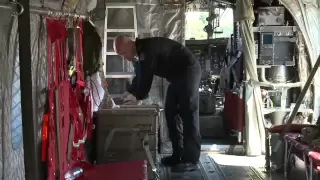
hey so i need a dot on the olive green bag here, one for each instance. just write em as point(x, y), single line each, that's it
point(92, 46)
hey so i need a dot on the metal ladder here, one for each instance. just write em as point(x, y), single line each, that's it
point(106, 53)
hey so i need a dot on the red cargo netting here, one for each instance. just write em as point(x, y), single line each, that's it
point(68, 106)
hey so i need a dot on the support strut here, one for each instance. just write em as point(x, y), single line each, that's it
point(30, 126)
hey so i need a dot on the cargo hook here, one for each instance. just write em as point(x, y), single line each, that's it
point(19, 6)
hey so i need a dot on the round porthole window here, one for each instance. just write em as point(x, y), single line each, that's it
point(16, 118)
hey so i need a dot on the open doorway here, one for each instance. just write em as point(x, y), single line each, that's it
point(196, 21)
point(210, 50)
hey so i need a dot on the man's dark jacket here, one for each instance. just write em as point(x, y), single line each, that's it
point(162, 57)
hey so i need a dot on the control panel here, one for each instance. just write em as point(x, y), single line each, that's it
point(275, 46)
point(211, 54)
point(266, 48)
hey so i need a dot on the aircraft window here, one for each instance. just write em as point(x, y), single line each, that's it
point(196, 21)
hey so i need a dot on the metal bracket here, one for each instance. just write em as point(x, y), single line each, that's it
point(145, 144)
point(80, 141)
point(144, 141)
point(17, 4)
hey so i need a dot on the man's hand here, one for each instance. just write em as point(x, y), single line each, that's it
point(129, 99)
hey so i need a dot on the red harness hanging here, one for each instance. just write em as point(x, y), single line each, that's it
point(67, 105)
point(81, 101)
point(55, 36)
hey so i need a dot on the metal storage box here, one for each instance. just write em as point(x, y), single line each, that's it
point(271, 16)
point(123, 156)
point(207, 103)
point(275, 44)
point(211, 126)
point(126, 145)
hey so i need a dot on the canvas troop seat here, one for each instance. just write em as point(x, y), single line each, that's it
point(305, 152)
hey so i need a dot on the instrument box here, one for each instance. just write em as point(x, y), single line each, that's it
point(207, 103)
point(275, 45)
point(211, 126)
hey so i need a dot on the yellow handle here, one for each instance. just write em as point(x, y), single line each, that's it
point(71, 70)
point(72, 3)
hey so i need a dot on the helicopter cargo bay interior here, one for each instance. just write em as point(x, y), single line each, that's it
point(68, 112)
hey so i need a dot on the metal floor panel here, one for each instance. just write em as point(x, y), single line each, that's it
point(211, 168)
point(206, 171)
point(239, 173)
point(242, 167)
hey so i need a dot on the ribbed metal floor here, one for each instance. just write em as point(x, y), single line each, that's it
point(210, 168)
point(206, 171)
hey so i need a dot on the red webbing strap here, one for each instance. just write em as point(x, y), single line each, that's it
point(78, 96)
point(79, 102)
point(51, 85)
point(88, 116)
point(64, 124)
point(63, 96)
point(57, 73)
point(57, 80)
point(72, 103)
point(78, 51)
point(44, 137)
point(75, 122)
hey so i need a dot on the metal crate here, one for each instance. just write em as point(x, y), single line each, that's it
point(144, 118)
point(127, 141)
point(122, 132)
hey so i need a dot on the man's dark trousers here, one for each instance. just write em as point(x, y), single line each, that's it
point(182, 101)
